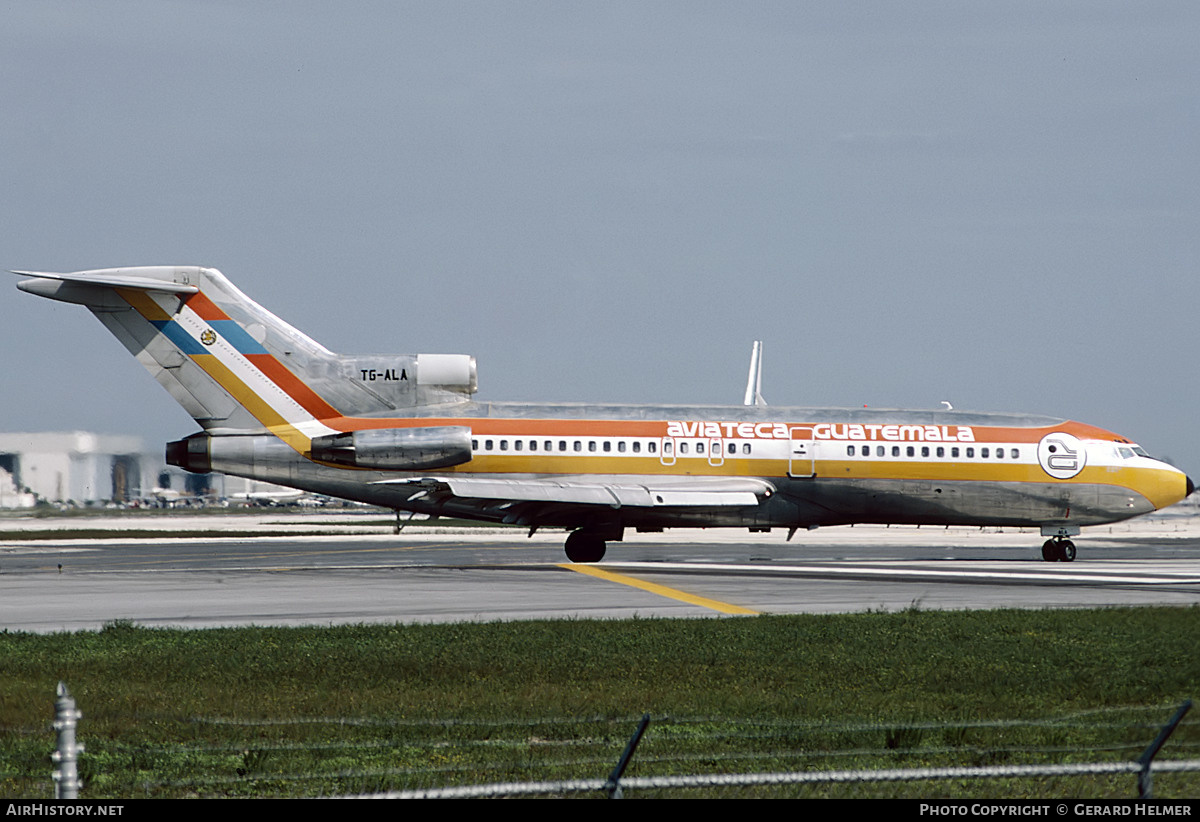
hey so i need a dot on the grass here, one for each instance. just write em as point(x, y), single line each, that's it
point(319, 711)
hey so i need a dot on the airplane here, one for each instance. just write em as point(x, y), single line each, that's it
point(404, 432)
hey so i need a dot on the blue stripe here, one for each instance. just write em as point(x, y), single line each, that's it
point(236, 336)
point(175, 333)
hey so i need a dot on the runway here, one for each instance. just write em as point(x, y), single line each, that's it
point(438, 575)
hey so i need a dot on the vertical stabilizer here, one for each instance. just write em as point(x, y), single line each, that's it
point(754, 380)
point(236, 367)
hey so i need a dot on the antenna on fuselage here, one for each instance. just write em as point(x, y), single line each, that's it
point(754, 380)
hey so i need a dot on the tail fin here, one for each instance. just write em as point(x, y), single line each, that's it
point(236, 367)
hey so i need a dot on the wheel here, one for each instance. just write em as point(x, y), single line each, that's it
point(1066, 551)
point(1050, 551)
point(584, 547)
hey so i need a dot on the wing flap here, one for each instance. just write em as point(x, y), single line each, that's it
point(697, 493)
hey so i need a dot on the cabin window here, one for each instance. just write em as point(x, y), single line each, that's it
point(637, 447)
point(970, 453)
point(954, 452)
point(518, 445)
point(533, 445)
point(895, 450)
point(924, 450)
point(733, 448)
point(941, 452)
point(474, 445)
point(621, 446)
point(549, 445)
point(699, 448)
point(653, 446)
point(578, 445)
point(910, 451)
point(849, 450)
point(983, 453)
point(503, 445)
point(999, 453)
point(1015, 454)
point(607, 446)
point(591, 445)
point(746, 448)
point(683, 447)
point(489, 444)
point(879, 450)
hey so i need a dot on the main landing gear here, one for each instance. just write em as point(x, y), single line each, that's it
point(585, 546)
point(1058, 549)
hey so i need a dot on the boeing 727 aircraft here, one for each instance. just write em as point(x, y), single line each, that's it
point(402, 431)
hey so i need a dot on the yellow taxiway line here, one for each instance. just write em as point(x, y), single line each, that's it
point(661, 590)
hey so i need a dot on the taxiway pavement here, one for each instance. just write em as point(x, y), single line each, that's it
point(442, 575)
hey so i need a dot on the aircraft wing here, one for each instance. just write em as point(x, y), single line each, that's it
point(672, 492)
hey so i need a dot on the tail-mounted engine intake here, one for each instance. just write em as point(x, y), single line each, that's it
point(397, 449)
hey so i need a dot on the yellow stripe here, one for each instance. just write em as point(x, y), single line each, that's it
point(257, 406)
point(1162, 487)
point(661, 590)
point(144, 304)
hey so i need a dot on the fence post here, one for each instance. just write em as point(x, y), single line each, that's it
point(613, 785)
point(66, 753)
point(1145, 780)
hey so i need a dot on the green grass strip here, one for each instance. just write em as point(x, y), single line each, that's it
point(320, 711)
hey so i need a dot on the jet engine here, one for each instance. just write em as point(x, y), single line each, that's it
point(396, 449)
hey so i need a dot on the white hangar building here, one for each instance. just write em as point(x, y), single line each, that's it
point(84, 468)
point(78, 466)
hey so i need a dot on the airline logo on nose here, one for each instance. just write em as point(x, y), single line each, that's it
point(1061, 455)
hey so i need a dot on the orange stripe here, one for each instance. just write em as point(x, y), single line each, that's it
point(205, 308)
point(308, 399)
point(293, 386)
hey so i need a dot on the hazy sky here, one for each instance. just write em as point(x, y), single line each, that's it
point(995, 204)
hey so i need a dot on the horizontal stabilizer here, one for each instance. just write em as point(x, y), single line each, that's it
point(143, 279)
point(704, 493)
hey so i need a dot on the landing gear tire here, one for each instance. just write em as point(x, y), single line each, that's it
point(1058, 550)
point(584, 547)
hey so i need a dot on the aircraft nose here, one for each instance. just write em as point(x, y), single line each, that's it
point(1191, 486)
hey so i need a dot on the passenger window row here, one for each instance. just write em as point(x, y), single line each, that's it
point(601, 446)
point(985, 452)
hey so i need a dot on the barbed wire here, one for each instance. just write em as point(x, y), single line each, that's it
point(775, 779)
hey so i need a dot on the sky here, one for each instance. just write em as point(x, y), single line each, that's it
point(992, 204)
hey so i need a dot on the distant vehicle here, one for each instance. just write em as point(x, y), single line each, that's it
point(403, 431)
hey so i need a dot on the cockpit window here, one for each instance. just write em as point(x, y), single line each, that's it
point(1126, 453)
point(1141, 452)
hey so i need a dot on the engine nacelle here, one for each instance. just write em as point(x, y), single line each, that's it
point(397, 449)
point(191, 454)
